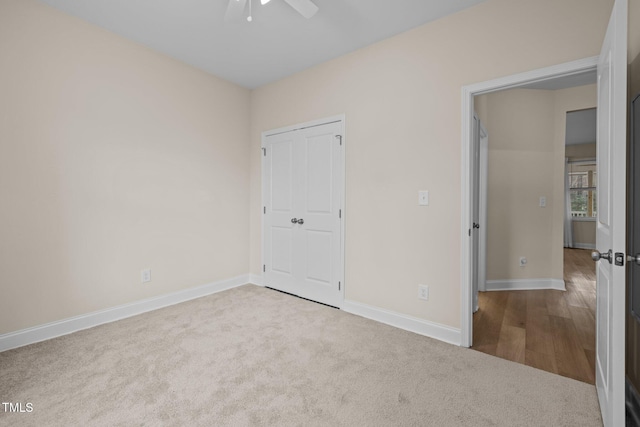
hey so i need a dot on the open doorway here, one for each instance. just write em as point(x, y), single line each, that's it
point(539, 308)
point(581, 212)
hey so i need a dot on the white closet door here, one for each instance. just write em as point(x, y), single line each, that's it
point(611, 225)
point(279, 193)
point(303, 185)
point(318, 204)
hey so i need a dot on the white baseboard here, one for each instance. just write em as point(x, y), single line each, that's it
point(89, 320)
point(584, 245)
point(413, 324)
point(256, 279)
point(524, 285)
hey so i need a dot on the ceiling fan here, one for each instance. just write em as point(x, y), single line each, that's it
point(235, 9)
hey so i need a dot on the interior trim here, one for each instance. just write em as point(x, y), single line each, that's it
point(413, 324)
point(525, 285)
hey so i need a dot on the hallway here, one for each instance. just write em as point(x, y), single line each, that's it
point(547, 329)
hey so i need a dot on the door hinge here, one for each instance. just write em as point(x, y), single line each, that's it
point(264, 268)
point(339, 286)
point(264, 151)
point(264, 209)
point(469, 232)
point(339, 213)
point(340, 138)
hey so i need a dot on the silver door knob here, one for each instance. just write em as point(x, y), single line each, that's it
point(596, 256)
point(635, 259)
point(301, 221)
point(294, 220)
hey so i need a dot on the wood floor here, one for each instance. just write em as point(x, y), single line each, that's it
point(547, 329)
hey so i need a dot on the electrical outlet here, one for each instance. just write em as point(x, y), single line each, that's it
point(423, 292)
point(145, 275)
point(523, 261)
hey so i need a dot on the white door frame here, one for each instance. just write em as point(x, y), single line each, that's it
point(332, 119)
point(468, 92)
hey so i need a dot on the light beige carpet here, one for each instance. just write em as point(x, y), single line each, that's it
point(253, 356)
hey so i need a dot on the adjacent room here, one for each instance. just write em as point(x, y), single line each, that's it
point(243, 212)
point(537, 299)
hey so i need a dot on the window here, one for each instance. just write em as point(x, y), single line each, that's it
point(582, 188)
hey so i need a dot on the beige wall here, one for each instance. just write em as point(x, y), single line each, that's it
point(584, 233)
point(526, 161)
point(402, 103)
point(520, 124)
point(581, 151)
point(113, 158)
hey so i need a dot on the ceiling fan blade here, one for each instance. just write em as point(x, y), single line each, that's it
point(235, 9)
point(305, 8)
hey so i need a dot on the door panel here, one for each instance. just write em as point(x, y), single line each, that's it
point(281, 251)
point(633, 279)
point(479, 208)
point(611, 224)
point(475, 173)
point(603, 227)
point(482, 203)
point(603, 293)
point(633, 244)
point(303, 173)
point(319, 176)
point(281, 168)
point(319, 251)
point(321, 202)
point(604, 130)
point(278, 229)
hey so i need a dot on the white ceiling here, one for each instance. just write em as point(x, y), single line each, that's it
point(279, 42)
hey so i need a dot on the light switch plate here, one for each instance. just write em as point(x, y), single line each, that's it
point(423, 292)
point(423, 198)
point(543, 202)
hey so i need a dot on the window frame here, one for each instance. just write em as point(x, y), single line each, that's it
point(591, 189)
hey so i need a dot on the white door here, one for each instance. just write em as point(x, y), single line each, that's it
point(611, 233)
point(479, 214)
point(278, 210)
point(303, 191)
point(475, 173)
point(482, 237)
